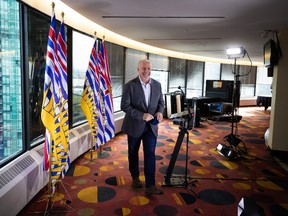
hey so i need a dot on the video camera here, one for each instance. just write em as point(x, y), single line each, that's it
point(183, 118)
point(189, 118)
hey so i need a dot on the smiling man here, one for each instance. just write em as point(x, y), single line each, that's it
point(143, 103)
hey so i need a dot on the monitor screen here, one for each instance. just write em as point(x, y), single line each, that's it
point(270, 54)
point(222, 89)
point(217, 84)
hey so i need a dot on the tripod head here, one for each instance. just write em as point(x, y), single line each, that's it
point(187, 106)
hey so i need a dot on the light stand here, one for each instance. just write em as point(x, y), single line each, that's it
point(196, 115)
point(232, 138)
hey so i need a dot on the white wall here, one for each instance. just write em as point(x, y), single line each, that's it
point(279, 114)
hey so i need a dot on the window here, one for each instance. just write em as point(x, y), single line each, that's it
point(212, 72)
point(195, 72)
point(227, 72)
point(264, 83)
point(38, 28)
point(248, 81)
point(177, 74)
point(132, 59)
point(115, 55)
point(82, 46)
point(10, 82)
point(159, 71)
point(162, 77)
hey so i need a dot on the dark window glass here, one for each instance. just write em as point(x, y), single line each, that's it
point(38, 28)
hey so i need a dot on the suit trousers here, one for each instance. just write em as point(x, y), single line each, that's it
point(149, 141)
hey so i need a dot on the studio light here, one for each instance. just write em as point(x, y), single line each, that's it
point(231, 152)
point(237, 52)
point(247, 207)
point(226, 151)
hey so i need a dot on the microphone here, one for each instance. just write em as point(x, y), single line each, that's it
point(183, 96)
point(182, 92)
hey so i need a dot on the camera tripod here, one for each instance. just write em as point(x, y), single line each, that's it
point(177, 180)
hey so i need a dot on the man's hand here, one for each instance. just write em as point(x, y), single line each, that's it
point(159, 116)
point(147, 117)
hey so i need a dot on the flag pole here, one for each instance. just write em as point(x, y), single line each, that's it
point(48, 206)
point(103, 108)
point(91, 147)
point(62, 15)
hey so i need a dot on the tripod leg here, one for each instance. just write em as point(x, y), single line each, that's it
point(245, 149)
point(174, 156)
point(190, 189)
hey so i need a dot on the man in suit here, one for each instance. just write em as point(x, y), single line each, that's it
point(143, 103)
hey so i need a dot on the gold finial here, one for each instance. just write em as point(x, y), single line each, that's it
point(53, 5)
point(103, 37)
point(62, 14)
point(95, 33)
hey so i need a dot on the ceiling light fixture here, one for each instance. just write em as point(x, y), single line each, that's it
point(182, 39)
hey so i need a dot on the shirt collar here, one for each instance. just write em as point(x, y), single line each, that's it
point(143, 83)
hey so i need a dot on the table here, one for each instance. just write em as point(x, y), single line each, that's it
point(202, 104)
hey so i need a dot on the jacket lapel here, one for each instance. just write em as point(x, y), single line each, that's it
point(153, 89)
point(140, 91)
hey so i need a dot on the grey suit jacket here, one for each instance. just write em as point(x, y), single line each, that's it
point(134, 105)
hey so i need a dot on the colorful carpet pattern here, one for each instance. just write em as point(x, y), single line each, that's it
point(214, 184)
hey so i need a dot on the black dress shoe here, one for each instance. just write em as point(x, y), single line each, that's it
point(153, 191)
point(137, 184)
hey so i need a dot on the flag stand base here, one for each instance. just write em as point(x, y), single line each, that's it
point(91, 155)
point(51, 199)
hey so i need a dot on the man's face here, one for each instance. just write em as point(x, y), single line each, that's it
point(144, 71)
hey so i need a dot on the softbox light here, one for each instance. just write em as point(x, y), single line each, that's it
point(226, 151)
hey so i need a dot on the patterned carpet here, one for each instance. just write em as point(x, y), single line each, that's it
point(214, 186)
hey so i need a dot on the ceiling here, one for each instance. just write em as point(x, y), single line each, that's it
point(198, 27)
